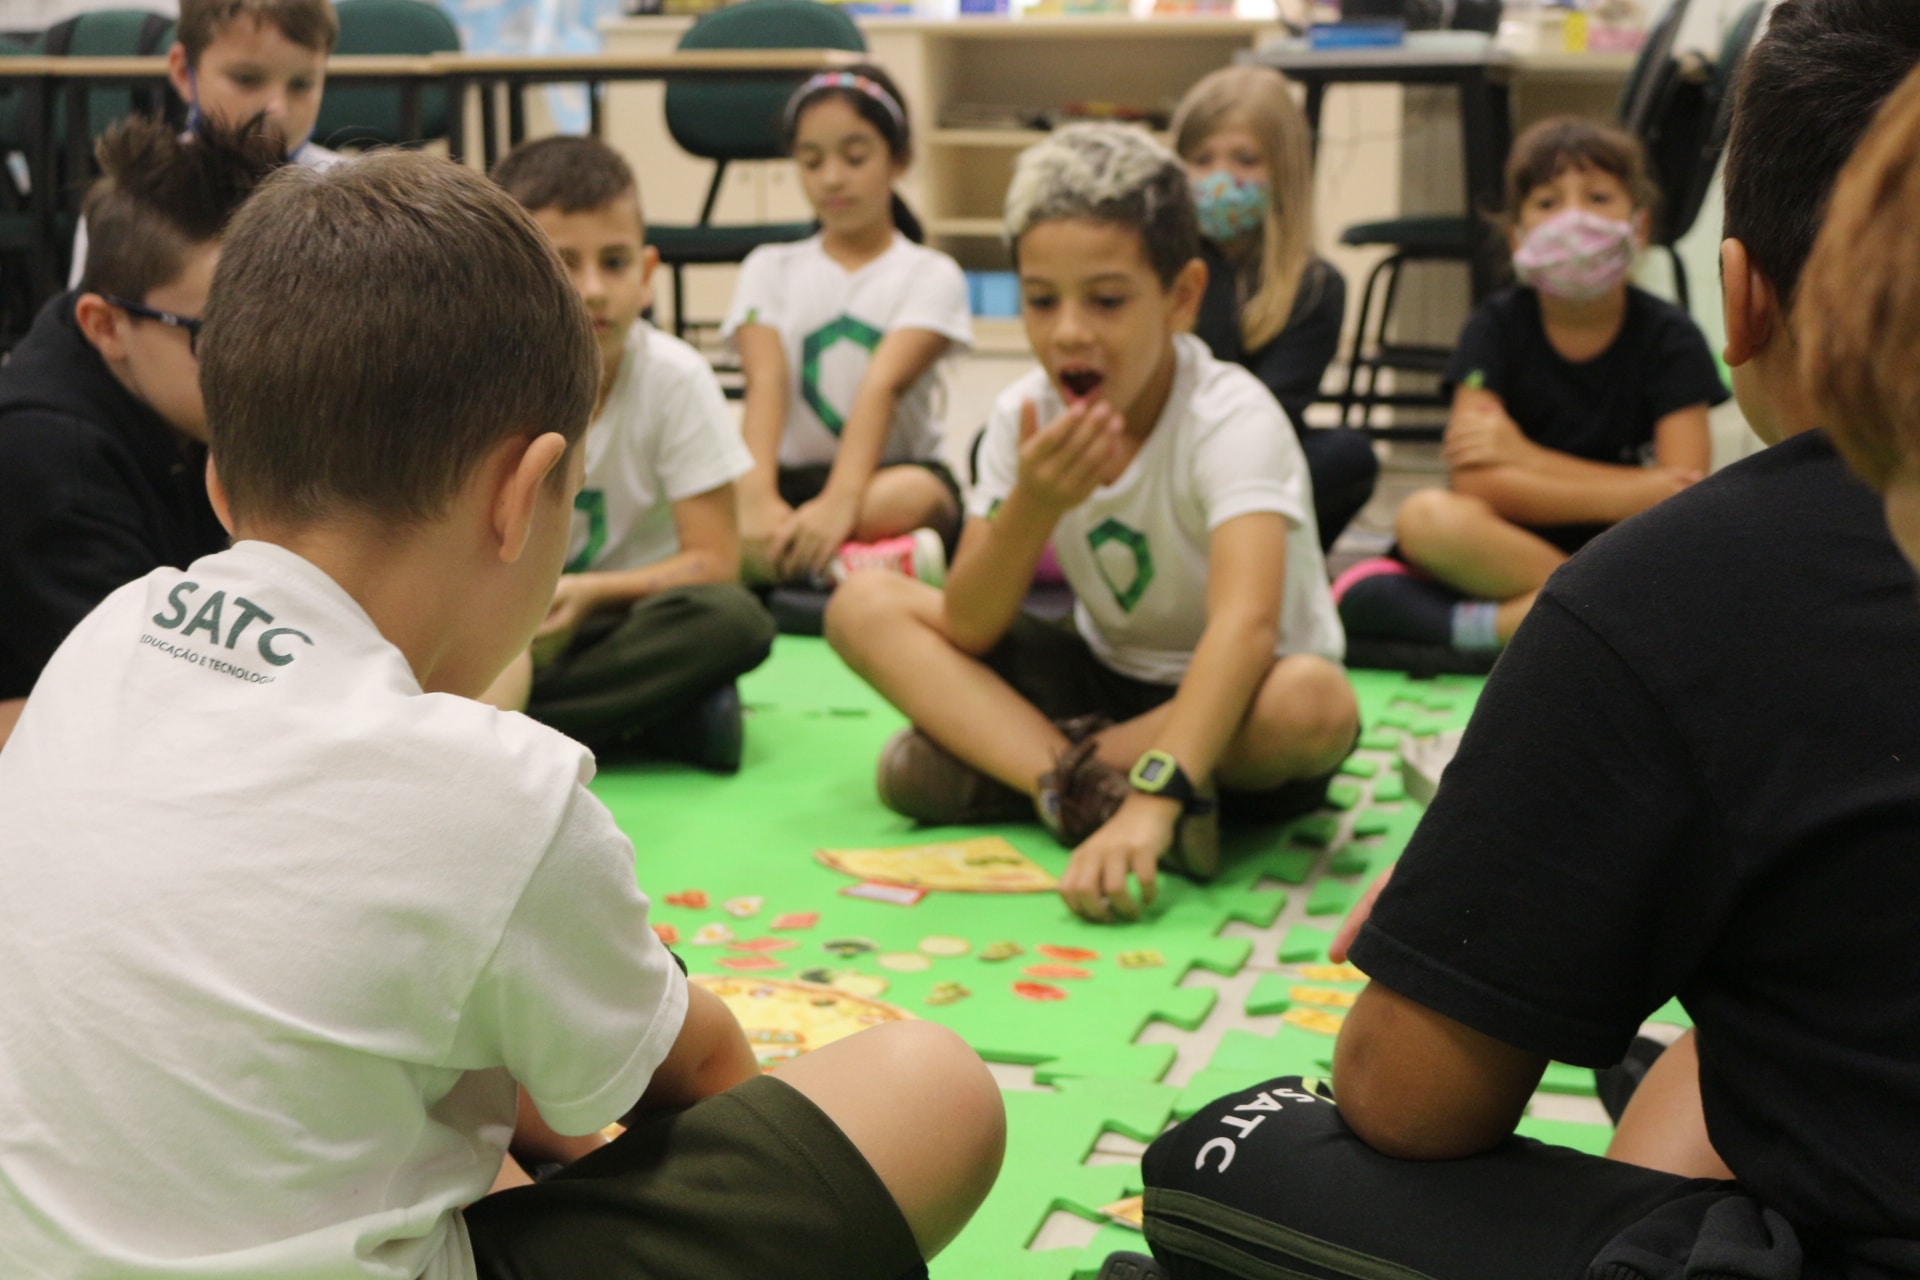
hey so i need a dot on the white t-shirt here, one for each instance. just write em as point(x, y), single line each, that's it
point(279, 934)
point(309, 156)
point(663, 436)
point(1135, 553)
point(831, 319)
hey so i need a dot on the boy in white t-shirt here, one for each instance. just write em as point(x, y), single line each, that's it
point(232, 60)
point(649, 627)
point(1178, 506)
point(289, 915)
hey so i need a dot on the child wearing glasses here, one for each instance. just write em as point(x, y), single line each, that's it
point(102, 433)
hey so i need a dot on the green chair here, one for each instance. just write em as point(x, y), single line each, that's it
point(372, 115)
point(26, 252)
point(725, 122)
point(112, 33)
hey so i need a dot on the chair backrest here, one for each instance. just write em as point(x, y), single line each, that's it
point(369, 115)
point(1653, 70)
point(741, 120)
point(112, 33)
point(1689, 193)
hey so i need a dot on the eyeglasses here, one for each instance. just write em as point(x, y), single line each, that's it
point(170, 319)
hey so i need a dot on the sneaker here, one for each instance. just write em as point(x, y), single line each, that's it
point(1079, 795)
point(1132, 1266)
point(710, 734)
point(919, 554)
point(920, 779)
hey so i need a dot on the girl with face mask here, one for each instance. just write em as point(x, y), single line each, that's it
point(1578, 400)
point(1270, 304)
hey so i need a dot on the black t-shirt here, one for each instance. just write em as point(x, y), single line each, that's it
point(1605, 409)
point(1292, 362)
point(1696, 772)
point(95, 491)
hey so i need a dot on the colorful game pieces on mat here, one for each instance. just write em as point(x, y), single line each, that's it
point(988, 864)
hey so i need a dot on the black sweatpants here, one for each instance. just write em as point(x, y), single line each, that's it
point(627, 670)
point(1270, 1184)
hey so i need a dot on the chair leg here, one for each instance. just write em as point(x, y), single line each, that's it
point(678, 273)
point(1349, 397)
point(1681, 292)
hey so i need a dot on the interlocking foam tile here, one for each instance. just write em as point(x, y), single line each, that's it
point(1330, 898)
point(1390, 787)
point(1380, 740)
point(1561, 1078)
point(1304, 945)
point(1590, 1138)
point(1048, 1138)
point(1270, 994)
point(1360, 767)
point(1343, 795)
point(1349, 862)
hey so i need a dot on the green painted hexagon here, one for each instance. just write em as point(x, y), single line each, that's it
point(1112, 530)
point(814, 346)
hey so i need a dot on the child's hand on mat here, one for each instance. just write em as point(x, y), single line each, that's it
point(1356, 916)
point(1481, 434)
point(574, 597)
point(1131, 842)
point(1062, 463)
point(814, 532)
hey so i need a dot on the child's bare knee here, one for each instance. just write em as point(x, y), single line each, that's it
point(1434, 518)
point(862, 604)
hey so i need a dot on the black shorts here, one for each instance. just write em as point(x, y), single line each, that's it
point(1270, 1182)
point(751, 1183)
point(1052, 666)
point(804, 484)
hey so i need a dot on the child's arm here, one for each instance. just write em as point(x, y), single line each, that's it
point(1059, 467)
point(763, 420)
point(708, 528)
point(1246, 573)
point(1492, 459)
point(1417, 1085)
point(710, 1056)
point(817, 528)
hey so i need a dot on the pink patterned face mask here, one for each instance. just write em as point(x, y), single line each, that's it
point(1575, 255)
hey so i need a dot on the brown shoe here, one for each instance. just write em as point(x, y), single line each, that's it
point(920, 779)
point(1079, 793)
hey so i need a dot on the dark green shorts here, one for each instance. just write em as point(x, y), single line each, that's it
point(804, 484)
point(1052, 666)
point(750, 1184)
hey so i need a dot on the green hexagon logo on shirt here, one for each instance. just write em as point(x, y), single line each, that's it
point(813, 349)
point(1125, 560)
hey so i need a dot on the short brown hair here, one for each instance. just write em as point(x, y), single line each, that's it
point(1551, 147)
point(1807, 91)
point(1858, 317)
point(374, 330)
point(161, 196)
point(311, 24)
point(571, 174)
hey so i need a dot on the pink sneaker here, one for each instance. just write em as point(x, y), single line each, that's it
point(918, 555)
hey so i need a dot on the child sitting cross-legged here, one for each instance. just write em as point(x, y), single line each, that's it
point(841, 336)
point(1578, 400)
point(1205, 650)
point(649, 626)
point(307, 934)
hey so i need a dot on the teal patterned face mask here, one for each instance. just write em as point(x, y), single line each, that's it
point(1230, 209)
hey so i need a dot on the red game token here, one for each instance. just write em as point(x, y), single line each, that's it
point(747, 964)
point(667, 933)
point(1073, 955)
point(1056, 971)
point(695, 898)
point(1038, 991)
point(763, 944)
point(796, 920)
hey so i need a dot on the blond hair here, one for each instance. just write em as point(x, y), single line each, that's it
point(1260, 100)
point(1857, 317)
point(1110, 173)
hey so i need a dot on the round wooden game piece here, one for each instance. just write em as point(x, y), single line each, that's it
point(945, 944)
point(903, 961)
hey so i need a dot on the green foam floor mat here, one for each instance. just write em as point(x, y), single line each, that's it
point(748, 841)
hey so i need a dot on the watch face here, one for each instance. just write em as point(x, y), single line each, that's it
point(1153, 772)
